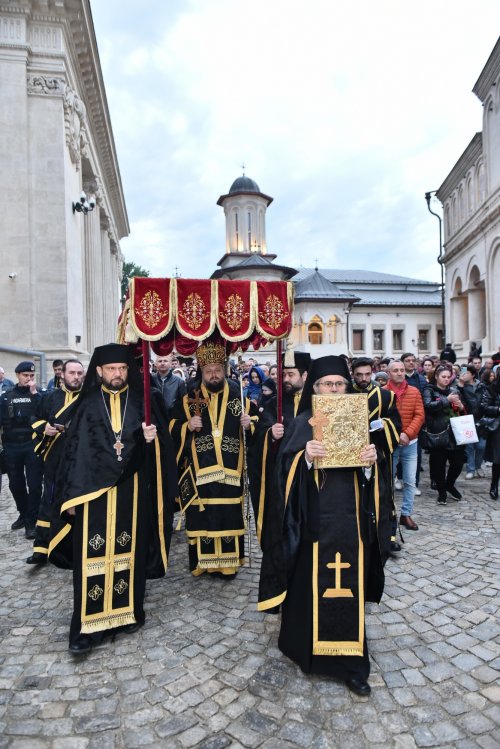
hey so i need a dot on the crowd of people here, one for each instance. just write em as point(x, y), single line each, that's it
point(97, 475)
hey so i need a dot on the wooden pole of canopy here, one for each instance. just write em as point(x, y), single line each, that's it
point(279, 363)
point(147, 382)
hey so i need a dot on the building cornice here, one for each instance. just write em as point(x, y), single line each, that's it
point(489, 74)
point(467, 160)
point(486, 224)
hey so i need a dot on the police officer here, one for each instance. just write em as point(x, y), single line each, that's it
point(24, 468)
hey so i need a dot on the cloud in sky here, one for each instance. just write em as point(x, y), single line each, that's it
point(345, 113)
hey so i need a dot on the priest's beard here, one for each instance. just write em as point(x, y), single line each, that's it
point(214, 386)
point(290, 389)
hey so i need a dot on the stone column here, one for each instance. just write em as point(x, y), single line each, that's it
point(477, 314)
point(93, 279)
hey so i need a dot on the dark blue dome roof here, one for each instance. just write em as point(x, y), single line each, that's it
point(244, 184)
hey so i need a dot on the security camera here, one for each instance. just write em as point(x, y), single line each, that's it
point(92, 203)
point(12, 275)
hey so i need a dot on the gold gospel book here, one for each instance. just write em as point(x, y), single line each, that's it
point(341, 423)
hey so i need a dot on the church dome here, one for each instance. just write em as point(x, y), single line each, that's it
point(244, 184)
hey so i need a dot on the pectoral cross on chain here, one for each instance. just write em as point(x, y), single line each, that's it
point(319, 420)
point(118, 446)
point(197, 401)
point(337, 591)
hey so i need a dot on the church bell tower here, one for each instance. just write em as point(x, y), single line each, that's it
point(245, 211)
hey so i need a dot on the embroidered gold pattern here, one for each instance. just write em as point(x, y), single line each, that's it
point(194, 311)
point(206, 540)
point(204, 443)
point(123, 538)
point(151, 309)
point(185, 489)
point(193, 407)
point(95, 592)
point(235, 407)
point(274, 312)
point(234, 312)
point(230, 445)
point(96, 542)
point(121, 586)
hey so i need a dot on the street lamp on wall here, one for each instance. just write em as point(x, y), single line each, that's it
point(83, 205)
point(440, 259)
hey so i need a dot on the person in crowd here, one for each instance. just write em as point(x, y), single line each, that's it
point(115, 488)
point(273, 372)
point(207, 426)
point(5, 383)
point(490, 408)
point(171, 387)
point(55, 381)
point(471, 390)
point(448, 354)
point(254, 389)
point(49, 427)
point(24, 468)
point(334, 542)
point(381, 378)
point(383, 364)
point(414, 378)
point(427, 367)
point(411, 410)
point(476, 362)
point(442, 402)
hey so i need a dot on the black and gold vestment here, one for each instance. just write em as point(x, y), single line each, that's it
point(210, 465)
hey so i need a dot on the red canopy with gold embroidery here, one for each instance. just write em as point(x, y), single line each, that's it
point(177, 313)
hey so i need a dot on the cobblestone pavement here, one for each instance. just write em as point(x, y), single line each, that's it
point(206, 672)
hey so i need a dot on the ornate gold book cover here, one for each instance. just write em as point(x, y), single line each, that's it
point(341, 423)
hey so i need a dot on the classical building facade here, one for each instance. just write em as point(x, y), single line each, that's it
point(470, 196)
point(335, 311)
point(60, 270)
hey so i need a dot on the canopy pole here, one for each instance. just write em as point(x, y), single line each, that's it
point(279, 363)
point(147, 382)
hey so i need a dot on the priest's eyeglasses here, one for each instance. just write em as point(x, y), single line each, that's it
point(331, 384)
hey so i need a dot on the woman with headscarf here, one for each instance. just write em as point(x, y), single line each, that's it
point(254, 390)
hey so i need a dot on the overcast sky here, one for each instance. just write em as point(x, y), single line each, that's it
point(346, 113)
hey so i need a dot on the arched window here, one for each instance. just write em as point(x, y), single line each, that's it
point(315, 331)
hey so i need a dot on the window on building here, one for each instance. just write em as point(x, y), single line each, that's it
point(358, 342)
point(237, 231)
point(378, 340)
point(397, 340)
point(315, 331)
point(249, 215)
point(440, 339)
point(423, 340)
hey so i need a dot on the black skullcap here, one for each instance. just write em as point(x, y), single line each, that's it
point(111, 353)
point(25, 366)
point(322, 367)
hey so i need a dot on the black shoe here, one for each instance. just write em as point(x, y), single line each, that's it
point(30, 532)
point(17, 524)
point(395, 546)
point(129, 629)
point(358, 686)
point(442, 499)
point(82, 644)
point(454, 493)
point(494, 491)
point(37, 558)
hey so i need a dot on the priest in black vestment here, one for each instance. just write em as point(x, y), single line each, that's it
point(207, 427)
point(335, 536)
point(115, 490)
point(49, 428)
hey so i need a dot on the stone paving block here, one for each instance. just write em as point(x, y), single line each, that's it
point(485, 674)
point(298, 734)
point(437, 672)
point(475, 723)
point(492, 693)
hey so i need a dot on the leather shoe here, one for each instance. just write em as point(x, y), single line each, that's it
point(82, 644)
point(395, 546)
point(17, 524)
point(494, 492)
point(30, 532)
point(408, 522)
point(358, 686)
point(37, 558)
point(454, 493)
point(129, 629)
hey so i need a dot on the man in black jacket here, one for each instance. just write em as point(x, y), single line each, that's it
point(171, 387)
point(24, 468)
